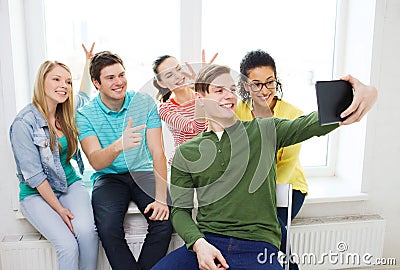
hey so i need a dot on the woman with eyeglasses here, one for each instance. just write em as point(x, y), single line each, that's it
point(261, 95)
point(176, 94)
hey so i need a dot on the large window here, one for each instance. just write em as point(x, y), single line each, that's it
point(298, 34)
point(138, 31)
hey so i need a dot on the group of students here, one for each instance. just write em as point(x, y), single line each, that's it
point(230, 165)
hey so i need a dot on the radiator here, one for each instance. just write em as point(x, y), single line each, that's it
point(27, 252)
point(313, 239)
point(337, 242)
point(33, 252)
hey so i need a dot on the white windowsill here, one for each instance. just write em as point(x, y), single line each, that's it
point(321, 190)
point(333, 189)
point(133, 209)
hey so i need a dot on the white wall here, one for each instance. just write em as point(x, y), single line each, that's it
point(382, 150)
point(8, 82)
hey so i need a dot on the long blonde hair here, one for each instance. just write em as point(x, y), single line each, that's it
point(65, 112)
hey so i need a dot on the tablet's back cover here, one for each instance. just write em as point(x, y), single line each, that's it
point(333, 97)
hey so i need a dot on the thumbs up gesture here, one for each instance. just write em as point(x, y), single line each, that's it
point(131, 138)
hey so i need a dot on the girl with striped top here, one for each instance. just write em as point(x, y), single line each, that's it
point(177, 109)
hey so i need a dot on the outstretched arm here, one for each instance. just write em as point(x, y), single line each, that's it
point(289, 132)
point(364, 97)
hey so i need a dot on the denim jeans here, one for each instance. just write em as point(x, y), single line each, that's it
point(111, 196)
point(240, 254)
point(73, 252)
point(297, 202)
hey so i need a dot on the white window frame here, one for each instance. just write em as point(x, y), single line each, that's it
point(353, 55)
point(21, 55)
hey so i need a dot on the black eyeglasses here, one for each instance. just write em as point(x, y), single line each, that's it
point(258, 86)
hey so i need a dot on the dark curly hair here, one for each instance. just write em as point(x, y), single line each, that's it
point(251, 60)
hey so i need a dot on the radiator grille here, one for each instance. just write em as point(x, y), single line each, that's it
point(345, 239)
point(312, 236)
point(32, 252)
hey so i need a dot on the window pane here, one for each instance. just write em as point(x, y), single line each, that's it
point(135, 30)
point(138, 31)
point(298, 34)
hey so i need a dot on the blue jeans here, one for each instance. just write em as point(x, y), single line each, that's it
point(240, 254)
point(111, 196)
point(74, 252)
point(297, 202)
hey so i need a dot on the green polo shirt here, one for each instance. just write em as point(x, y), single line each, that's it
point(234, 178)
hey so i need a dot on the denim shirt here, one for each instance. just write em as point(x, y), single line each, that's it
point(30, 142)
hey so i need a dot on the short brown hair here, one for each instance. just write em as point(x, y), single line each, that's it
point(208, 74)
point(101, 60)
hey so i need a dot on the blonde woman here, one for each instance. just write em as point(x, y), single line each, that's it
point(53, 198)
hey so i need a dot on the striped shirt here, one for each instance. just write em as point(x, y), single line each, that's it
point(180, 120)
point(95, 119)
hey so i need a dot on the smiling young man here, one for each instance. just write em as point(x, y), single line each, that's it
point(120, 133)
point(232, 167)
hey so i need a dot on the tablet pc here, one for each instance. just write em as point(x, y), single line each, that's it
point(333, 97)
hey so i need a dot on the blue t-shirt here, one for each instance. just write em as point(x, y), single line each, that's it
point(95, 119)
